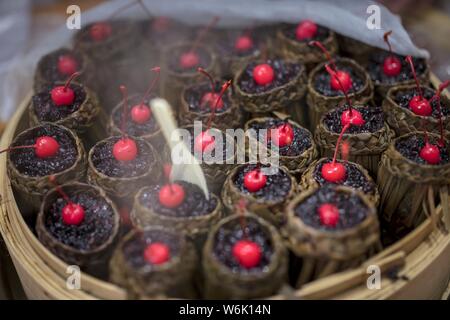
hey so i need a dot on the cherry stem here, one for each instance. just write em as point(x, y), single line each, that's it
point(52, 179)
point(386, 39)
point(17, 147)
point(123, 125)
point(144, 7)
point(334, 74)
point(211, 80)
point(225, 86)
point(73, 76)
point(338, 142)
point(152, 85)
point(413, 70)
point(203, 33)
point(325, 51)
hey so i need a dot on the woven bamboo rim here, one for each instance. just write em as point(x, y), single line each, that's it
point(365, 148)
point(296, 164)
point(416, 186)
point(175, 277)
point(302, 52)
point(230, 118)
point(43, 275)
point(272, 211)
point(195, 227)
point(79, 120)
point(308, 180)
point(40, 80)
point(220, 282)
point(274, 99)
point(154, 138)
point(123, 186)
point(36, 187)
point(325, 252)
point(404, 121)
point(382, 89)
point(319, 103)
point(68, 253)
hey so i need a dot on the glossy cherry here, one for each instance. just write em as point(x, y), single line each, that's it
point(243, 43)
point(263, 74)
point(157, 253)
point(46, 147)
point(125, 149)
point(73, 214)
point(161, 24)
point(171, 195)
point(334, 172)
point(328, 214)
point(306, 29)
point(67, 65)
point(342, 77)
point(100, 31)
point(63, 95)
point(283, 135)
point(420, 106)
point(430, 153)
point(247, 253)
point(255, 180)
point(392, 66)
point(353, 117)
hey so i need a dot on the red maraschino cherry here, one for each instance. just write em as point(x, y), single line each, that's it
point(283, 135)
point(392, 66)
point(171, 195)
point(243, 43)
point(328, 214)
point(429, 152)
point(190, 59)
point(67, 65)
point(205, 141)
point(418, 104)
point(157, 253)
point(255, 180)
point(141, 113)
point(100, 31)
point(263, 74)
point(306, 29)
point(334, 171)
point(45, 147)
point(63, 95)
point(72, 213)
point(340, 80)
point(210, 98)
point(125, 149)
point(247, 253)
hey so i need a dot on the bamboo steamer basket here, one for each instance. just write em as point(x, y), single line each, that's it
point(422, 256)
